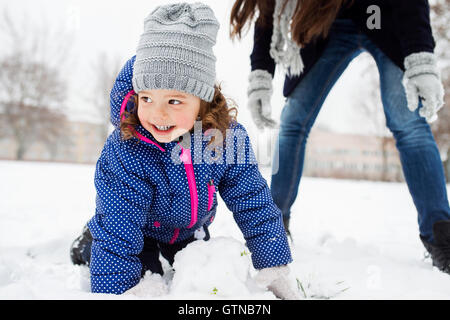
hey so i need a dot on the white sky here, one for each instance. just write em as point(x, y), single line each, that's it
point(115, 27)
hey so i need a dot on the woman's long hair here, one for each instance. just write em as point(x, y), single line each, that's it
point(312, 18)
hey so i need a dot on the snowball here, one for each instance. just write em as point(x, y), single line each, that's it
point(219, 268)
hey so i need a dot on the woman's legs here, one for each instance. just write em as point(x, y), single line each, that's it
point(302, 108)
point(419, 155)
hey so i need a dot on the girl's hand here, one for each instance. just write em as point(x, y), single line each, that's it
point(276, 279)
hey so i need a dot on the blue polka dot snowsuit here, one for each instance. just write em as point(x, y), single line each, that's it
point(142, 192)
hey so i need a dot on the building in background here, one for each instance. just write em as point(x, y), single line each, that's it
point(352, 156)
point(328, 154)
point(82, 144)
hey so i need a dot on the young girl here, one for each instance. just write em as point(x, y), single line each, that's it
point(156, 185)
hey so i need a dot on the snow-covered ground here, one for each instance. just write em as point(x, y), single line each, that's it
point(352, 240)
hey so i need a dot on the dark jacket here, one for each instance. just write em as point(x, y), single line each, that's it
point(405, 29)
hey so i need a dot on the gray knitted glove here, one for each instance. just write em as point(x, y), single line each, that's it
point(277, 280)
point(422, 79)
point(259, 94)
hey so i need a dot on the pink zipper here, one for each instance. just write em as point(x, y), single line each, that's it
point(175, 236)
point(187, 160)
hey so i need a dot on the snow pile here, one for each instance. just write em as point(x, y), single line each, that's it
point(216, 269)
point(361, 243)
point(151, 286)
point(219, 267)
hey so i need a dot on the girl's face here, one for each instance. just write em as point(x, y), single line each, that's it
point(167, 114)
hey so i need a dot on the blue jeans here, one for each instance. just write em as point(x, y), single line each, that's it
point(419, 155)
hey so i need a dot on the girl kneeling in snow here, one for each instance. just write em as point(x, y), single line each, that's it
point(152, 194)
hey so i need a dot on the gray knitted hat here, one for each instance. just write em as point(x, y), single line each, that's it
point(175, 50)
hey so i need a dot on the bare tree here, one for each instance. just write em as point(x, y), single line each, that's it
point(440, 15)
point(106, 69)
point(30, 93)
point(32, 89)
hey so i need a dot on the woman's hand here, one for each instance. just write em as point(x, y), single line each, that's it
point(422, 79)
point(259, 94)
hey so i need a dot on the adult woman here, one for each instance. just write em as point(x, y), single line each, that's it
point(315, 40)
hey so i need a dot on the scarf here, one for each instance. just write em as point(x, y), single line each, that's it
point(283, 49)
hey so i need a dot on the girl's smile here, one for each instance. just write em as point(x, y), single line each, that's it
point(163, 130)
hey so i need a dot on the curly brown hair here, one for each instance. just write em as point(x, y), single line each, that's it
point(218, 114)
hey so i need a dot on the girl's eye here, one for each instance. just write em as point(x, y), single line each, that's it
point(146, 99)
point(173, 101)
